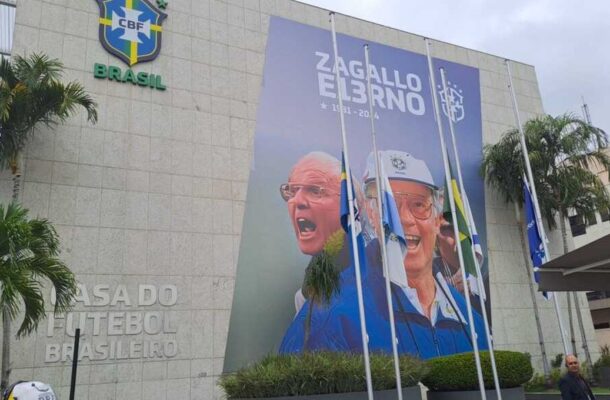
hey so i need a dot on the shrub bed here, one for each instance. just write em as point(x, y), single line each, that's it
point(602, 362)
point(318, 373)
point(458, 372)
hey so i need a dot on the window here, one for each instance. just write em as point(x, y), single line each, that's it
point(598, 295)
point(577, 225)
point(591, 219)
point(7, 26)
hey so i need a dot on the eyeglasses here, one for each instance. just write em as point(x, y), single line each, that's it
point(311, 192)
point(419, 206)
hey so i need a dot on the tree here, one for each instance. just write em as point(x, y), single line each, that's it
point(562, 151)
point(29, 250)
point(322, 278)
point(31, 94)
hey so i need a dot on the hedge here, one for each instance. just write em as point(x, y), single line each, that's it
point(318, 373)
point(458, 371)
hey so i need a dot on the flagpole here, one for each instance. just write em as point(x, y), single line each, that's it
point(532, 186)
point(469, 223)
point(456, 232)
point(352, 218)
point(532, 274)
point(384, 253)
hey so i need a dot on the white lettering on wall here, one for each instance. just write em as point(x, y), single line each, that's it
point(141, 312)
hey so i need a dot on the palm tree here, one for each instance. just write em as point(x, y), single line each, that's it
point(29, 250)
point(561, 151)
point(31, 93)
point(322, 278)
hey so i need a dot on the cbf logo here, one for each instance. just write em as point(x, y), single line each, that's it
point(131, 29)
point(455, 99)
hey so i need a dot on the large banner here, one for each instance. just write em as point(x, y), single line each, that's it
point(292, 210)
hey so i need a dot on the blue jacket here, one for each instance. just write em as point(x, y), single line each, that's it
point(336, 327)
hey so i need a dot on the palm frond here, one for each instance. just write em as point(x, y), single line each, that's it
point(31, 93)
point(28, 257)
point(562, 150)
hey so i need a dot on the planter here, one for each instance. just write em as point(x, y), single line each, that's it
point(557, 396)
point(507, 394)
point(411, 393)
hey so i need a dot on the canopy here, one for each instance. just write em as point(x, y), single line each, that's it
point(584, 269)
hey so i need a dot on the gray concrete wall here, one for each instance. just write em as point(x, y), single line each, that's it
point(144, 197)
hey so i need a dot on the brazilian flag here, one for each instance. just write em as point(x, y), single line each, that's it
point(462, 223)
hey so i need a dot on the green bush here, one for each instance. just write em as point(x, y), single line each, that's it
point(538, 383)
point(458, 371)
point(318, 373)
point(603, 361)
point(557, 362)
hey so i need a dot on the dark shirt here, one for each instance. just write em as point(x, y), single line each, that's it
point(574, 387)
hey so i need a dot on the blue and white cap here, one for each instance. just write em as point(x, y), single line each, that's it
point(399, 165)
point(31, 390)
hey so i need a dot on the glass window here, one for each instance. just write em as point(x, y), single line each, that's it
point(591, 219)
point(577, 225)
point(7, 26)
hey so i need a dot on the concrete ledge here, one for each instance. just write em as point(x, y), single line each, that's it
point(557, 396)
point(411, 393)
point(507, 394)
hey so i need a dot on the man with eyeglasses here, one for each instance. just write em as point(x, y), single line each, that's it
point(312, 195)
point(572, 385)
point(429, 314)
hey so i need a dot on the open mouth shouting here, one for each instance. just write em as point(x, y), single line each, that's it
point(412, 241)
point(305, 226)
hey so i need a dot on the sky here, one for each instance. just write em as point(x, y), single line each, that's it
point(566, 40)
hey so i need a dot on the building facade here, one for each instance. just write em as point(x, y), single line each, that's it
point(586, 229)
point(149, 202)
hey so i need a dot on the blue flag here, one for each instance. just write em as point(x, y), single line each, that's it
point(396, 243)
point(534, 238)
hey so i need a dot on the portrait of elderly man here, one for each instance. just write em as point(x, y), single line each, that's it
point(312, 195)
point(430, 315)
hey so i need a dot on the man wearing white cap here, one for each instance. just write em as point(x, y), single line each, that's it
point(429, 314)
point(30, 390)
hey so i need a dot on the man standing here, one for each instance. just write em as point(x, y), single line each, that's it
point(572, 384)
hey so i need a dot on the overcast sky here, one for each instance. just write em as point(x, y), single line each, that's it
point(567, 41)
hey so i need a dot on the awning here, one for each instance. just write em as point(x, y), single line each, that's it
point(584, 269)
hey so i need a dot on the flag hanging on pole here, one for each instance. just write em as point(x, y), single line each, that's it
point(465, 238)
point(534, 239)
point(345, 203)
point(476, 246)
point(476, 241)
point(345, 220)
point(396, 243)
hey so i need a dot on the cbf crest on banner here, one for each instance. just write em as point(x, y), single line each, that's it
point(131, 29)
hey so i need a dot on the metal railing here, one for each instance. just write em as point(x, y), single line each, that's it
point(7, 26)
